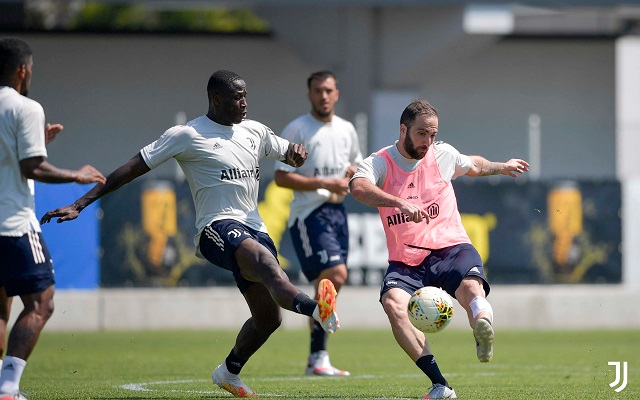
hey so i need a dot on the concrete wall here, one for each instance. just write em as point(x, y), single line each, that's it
point(484, 86)
point(515, 307)
point(116, 93)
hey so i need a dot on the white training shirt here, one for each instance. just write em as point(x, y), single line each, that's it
point(332, 146)
point(221, 164)
point(451, 162)
point(21, 137)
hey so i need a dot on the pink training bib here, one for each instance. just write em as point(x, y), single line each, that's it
point(411, 242)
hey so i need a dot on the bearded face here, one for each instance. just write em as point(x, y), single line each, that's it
point(419, 136)
point(417, 153)
point(323, 95)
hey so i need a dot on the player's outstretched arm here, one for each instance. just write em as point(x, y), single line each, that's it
point(134, 168)
point(483, 167)
point(38, 169)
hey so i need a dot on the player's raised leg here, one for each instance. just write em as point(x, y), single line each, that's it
point(258, 264)
point(471, 296)
point(319, 362)
point(253, 257)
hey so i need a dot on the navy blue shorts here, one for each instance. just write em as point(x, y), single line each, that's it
point(444, 268)
point(321, 240)
point(220, 240)
point(25, 264)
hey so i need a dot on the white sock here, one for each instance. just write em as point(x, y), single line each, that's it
point(12, 368)
point(480, 304)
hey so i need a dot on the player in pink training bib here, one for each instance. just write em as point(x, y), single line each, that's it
point(410, 184)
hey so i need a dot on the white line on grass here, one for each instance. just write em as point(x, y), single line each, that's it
point(505, 369)
point(144, 386)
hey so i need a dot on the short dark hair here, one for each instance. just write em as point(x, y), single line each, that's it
point(14, 53)
point(417, 107)
point(321, 75)
point(221, 80)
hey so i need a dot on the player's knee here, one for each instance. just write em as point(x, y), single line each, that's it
point(43, 312)
point(39, 307)
point(470, 287)
point(47, 304)
point(341, 277)
point(394, 308)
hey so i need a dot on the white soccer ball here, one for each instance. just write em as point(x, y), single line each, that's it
point(430, 309)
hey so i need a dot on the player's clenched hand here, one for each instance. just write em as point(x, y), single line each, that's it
point(66, 213)
point(89, 174)
point(296, 155)
point(414, 212)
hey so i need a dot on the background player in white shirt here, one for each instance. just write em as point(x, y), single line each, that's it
point(25, 263)
point(219, 154)
point(317, 219)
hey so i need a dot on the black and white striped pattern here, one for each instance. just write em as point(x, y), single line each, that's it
point(36, 248)
point(214, 236)
point(304, 238)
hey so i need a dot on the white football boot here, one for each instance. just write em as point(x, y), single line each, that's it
point(231, 382)
point(438, 391)
point(483, 332)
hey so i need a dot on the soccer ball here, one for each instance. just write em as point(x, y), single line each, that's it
point(430, 309)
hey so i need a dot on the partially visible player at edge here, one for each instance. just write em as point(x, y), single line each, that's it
point(410, 183)
point(220, 153)
point(318, 220)
point(26, 268)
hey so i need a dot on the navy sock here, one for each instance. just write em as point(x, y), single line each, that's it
point(303, 304)
point(429, 366)
point(234, 364)
point(318, 338)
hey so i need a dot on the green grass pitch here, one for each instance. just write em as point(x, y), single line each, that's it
point(178, 365)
